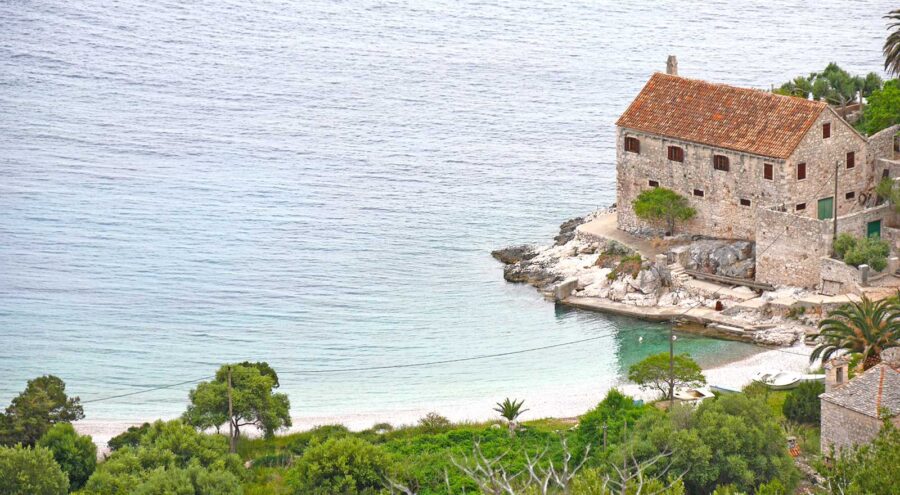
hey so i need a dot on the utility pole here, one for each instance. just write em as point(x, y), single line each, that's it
point(230, 416)
point(671, 365)
point(834, 204)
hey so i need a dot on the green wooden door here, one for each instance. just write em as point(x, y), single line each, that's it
point(826, 208)
point(873, 229)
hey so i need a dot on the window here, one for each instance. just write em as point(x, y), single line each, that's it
point(826, 131)
point(839, 374)
point(851, 159)
point(850, 195)
point(885, 173)
point(768, 171)
point(801, 171)
point(633, 145)
point(745, 202)
point(654, 183)
point(800, 207)
point(720, 162)
point(676, 154)
point(698, 193)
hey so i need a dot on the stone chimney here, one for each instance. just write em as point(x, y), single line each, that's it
point(836, 373)
point(672, 66)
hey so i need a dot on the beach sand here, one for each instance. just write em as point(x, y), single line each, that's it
point(547, 403)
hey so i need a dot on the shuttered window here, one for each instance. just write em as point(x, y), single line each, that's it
point(768, 171)
point(633, 145)
point(720, 162)
point(676, 154)
point(826, 131)
point(801, 171)
point(851, 159)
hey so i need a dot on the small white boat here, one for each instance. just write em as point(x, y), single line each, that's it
point(778, 380)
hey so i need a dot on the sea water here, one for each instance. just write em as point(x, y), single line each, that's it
point(319, 184)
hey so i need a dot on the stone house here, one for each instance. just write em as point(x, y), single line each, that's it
point(756, 166)
point(852, 409)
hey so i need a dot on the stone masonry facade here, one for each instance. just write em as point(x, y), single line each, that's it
point(773, 199)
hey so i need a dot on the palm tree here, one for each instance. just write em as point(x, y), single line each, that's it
point(892, 44)
point(510, 410)
point(867, 327)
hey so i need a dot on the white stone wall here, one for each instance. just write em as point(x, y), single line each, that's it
point(789, 248)
point(838, 277)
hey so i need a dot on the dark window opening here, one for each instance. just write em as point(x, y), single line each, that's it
point(745, 202)
point(676, 154)
point(768, 171)
point(839, 375)
point(801, 171)
point(654, 183)
point(800, 207)
point(850, 195)
point(698, 193)
point(826, 131)
point(851, 159)
point(633, 145)
point(720, 162)
point(885, 173)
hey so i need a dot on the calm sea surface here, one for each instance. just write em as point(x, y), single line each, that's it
point(318, 184)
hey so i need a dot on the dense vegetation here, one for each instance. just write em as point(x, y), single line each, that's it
point(856, 251)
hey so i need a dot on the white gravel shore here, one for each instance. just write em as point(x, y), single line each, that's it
point(557, 403)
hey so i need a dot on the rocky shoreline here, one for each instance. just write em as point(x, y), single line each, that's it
point(593, 272)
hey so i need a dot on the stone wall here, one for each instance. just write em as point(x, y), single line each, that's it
point(838, 277)
point(857, 223)
point(820, 155)
point(789, 248)
point(842, 427)
point(881, 144)
point(719, 212)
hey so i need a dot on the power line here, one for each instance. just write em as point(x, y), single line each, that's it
point(456, 360)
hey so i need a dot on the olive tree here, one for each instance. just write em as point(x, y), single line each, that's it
point(661, 204)
point(253, 401)
point(654, 373)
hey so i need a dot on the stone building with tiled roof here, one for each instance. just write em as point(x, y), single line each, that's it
point(754, 165)
point(852, 410)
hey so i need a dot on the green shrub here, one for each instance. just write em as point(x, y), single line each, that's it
point(802, 404)
point(844, 242)
point(76, 454)
point(614, 411)
point(348, 466)
point(434, 423)
point(870, 251)
point(630, 265)
point(130, 437)
point(30, 471)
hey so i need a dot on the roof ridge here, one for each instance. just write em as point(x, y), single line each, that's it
point(816, 103)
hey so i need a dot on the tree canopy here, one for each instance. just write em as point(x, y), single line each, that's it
point(170, 457)
point(882, 108)
point(834, 85)
point(892, 44)
point(253, 401)
point(661, 204)
point(653, 373)
point(76, 454)
point(31, 471)
point(349, 466)
point(42, 404)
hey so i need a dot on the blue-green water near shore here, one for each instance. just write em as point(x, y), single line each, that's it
point(319, 184)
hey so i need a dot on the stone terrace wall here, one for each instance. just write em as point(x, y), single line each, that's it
point(789, 248)
point(838, 277)
point(881, 144)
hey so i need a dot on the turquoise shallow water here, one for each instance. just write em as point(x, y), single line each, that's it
point(318, 184)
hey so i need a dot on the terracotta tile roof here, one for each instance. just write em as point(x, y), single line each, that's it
point(722, 116)
point(878, 387)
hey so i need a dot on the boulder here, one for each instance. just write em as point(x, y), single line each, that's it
point(741, 269)
point(567, 230)
point(514, 254)
point(647, 281)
